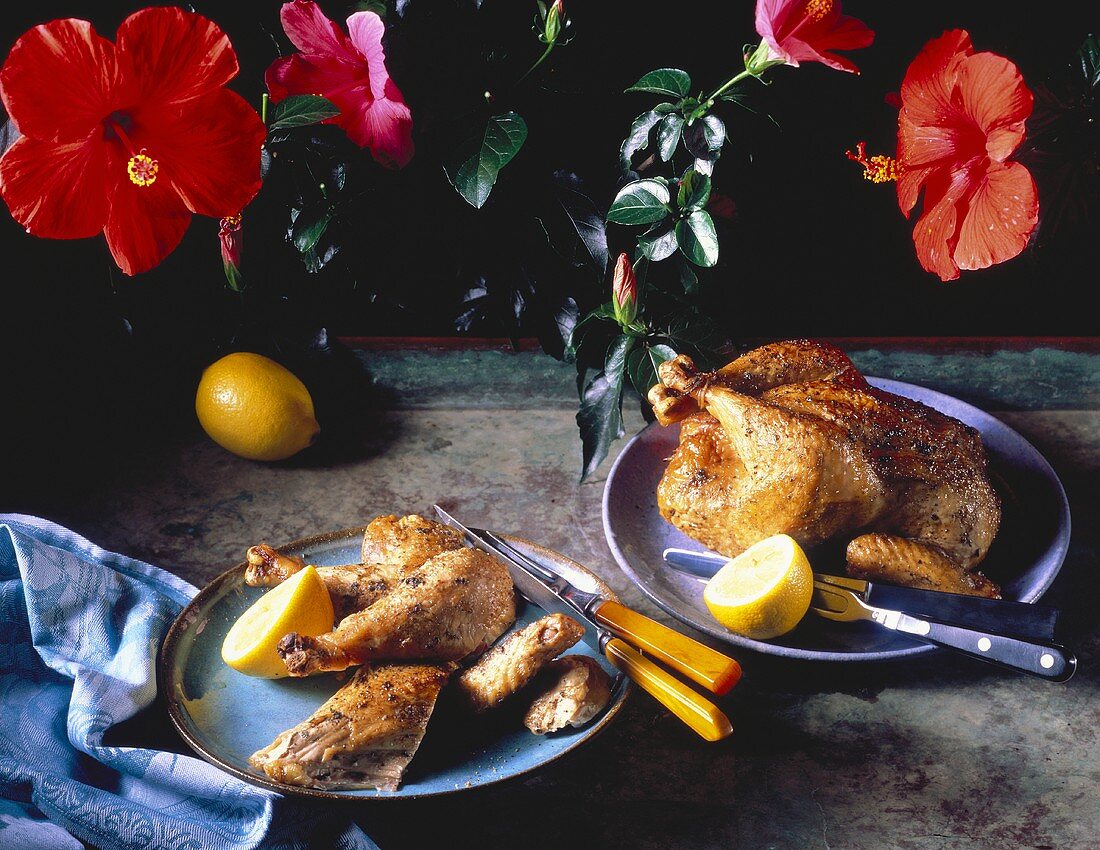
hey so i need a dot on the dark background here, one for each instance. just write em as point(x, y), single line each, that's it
point(89, 355)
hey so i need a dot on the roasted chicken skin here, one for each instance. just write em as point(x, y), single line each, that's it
point(406, 543)
point(457, 603)
point(571, 691)
point(506, 668)
point(364, 736)
point(790, 438)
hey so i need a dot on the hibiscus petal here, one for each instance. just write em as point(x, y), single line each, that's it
point(314, 34)
point(56, 190)
point(144, 225)
point(935, 234)
point(366, 30)
point(930, 79)
point(208, 152)
point(385, 127)
point(993, 94)
point(1004, 210)
point(174, 56)
point(324, 75)
point(846, 33)
point(60, 80)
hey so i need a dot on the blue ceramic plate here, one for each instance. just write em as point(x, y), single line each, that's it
point(1024, 558)
point(226, 716)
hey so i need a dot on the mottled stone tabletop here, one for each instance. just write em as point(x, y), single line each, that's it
point(934, 754)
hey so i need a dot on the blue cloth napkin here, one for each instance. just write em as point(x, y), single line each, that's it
point(80, 629)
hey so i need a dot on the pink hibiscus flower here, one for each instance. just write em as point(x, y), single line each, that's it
point(350, 70)
point(809, 30)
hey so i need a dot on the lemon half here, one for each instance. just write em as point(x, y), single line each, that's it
point(300, 604)
point(765, 591)
point(255, 408)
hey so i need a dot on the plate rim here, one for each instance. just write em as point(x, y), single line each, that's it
point(167, 679)
point(1060, 541)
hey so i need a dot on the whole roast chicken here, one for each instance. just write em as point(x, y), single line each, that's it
point(790, 438)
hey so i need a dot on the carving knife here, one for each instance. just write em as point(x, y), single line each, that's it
point(1019, 619)
point(608, 627)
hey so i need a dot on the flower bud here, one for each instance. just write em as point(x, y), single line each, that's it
point(229, 234)
point(555, 15)
point(624, 292)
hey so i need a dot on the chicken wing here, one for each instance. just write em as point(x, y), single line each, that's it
point(573, 690)
point(352, 587)
point(364, 736)
point(457, 603)
point(506, 668)
point(896, 560)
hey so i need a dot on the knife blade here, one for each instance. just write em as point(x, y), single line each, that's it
point(1007, 617)
point(553, 592)
point(560, 595)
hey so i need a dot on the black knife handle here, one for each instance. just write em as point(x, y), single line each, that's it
point(1021, 619)
point(1047, 661)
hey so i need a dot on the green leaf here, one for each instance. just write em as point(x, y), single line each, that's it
point(667, 81)
point(688, 278)
point(698, 240)
point(668, 135)
point(694, 191)
point(474, 174)
point(638, 137)
point(659, 245)
point(705, 136)
point(301, 110)
point(1088, 55)
point(600, 417)
point(640, 202)
point(586, 218)
point(309, 226)
point(642, 365)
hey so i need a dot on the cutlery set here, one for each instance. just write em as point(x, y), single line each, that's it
point(1012, 635)
point(1015, 635)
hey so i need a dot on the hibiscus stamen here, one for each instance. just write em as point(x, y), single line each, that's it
point(818, 9)
point(142, 169)
point(878, 168)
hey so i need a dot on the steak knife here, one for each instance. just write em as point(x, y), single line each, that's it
point(1005, 617)
point(609, 624)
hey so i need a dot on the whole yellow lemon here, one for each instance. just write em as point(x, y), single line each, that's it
point(255, 408)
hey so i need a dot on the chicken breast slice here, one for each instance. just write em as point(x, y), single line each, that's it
point(572, 690)
point(506, 668)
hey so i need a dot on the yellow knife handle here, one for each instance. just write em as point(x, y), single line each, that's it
point(696, 711)
point(707, 667)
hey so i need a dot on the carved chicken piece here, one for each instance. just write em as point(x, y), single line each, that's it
point(506, 668)
point(364, 736)
point(456, 604)
point(896, 560)
point(791, 439)
point(352, 587)
point(572, 690)
point(406, 543)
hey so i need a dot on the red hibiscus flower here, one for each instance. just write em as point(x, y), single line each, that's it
point(128, 138)
point(808, 31)
point(962, 116)
point(351, 72)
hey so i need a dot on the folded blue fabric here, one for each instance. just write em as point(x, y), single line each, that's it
point(79, 633)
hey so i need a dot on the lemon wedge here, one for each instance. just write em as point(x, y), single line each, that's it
point(764, 591)
point(300, 604)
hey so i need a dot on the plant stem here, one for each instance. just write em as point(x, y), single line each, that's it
point(264, 100)
point(722, 88)
point(541, 59)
